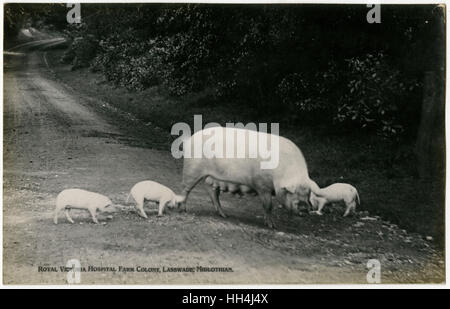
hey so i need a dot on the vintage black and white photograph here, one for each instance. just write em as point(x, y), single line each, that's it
point(207, 143)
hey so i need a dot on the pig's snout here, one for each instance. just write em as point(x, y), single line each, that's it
point(294, 208)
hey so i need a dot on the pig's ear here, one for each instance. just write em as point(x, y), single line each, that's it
point(179, 198)
point(290, 189)
point(286, 186)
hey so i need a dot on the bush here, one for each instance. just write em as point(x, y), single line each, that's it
point(83, 50)
point(278, 60)
point(361, 92)
point(374, 95)
point(134, 65)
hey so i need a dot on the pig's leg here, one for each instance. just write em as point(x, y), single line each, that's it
point(350, 206)
point(162, 205)
point(140, 207)
point(67, 212)
point(93, 211)
point(320, 207)
point(214, 195)
point(267, 204)
point(189, 184)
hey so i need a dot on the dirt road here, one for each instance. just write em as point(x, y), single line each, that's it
point(54, 140)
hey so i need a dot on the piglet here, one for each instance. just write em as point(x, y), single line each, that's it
point(155, 192)
point(81, 199)
point(338, 192)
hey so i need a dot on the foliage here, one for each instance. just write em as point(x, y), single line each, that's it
point(21, 15)
point(375, 94)
point(323, 63)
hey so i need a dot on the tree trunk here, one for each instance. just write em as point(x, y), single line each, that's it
point(430, 143)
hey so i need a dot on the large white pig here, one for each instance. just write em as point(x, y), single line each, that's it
point(288, 180)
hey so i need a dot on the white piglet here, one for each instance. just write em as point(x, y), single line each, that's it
point(81, 199)
point(155, 192)
point(338, 192)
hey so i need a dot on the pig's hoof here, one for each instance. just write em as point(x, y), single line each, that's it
point(159, 215)
point(222, 214)
point(143, 215)
point(319, 213)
